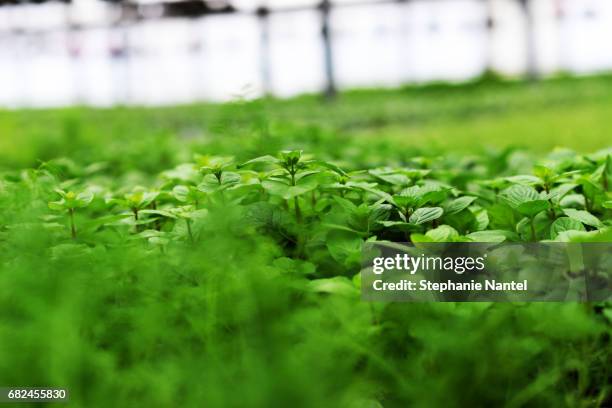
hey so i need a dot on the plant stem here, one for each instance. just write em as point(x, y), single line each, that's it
point(551, 211)
point(157, 221)
point(298, 213)
point(72, 226)
point(587, 203)
point(189, 229)
point(135, 211)
point(533, 233)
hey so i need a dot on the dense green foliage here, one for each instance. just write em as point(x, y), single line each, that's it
point(148, 269)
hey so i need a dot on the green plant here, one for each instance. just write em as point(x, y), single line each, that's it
point(69, 202)
point(213, 276)
point(293, 176)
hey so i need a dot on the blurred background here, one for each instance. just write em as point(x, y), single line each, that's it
point(156, 52)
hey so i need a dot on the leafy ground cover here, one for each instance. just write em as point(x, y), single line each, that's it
point(181, 269)
point(566, 112)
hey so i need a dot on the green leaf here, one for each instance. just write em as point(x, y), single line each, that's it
point(185, 173)
point(564, 224)
point(343, 245)
point(181, 193)
point(140, 198)
point(347, 205)
point(584, 217)
point(502, 216)
point(212, 164)
point(415, 173)
point(542, 172)
point(281, 188)
point(381, 194)
point(401, 225)
point(195, 214)
point(229, 178)
point(211, 183)
point(291, 157)
point(58, 205)
point(330, 166)
point(71, 200)
point(425, 214)
point(295, 266)
point(83, 199)
point(390, 176)
point(458, 204)
point(481, 219)
point(405, 201)
point(338, 285)
point(106, 220)
point(261, 160)
point(343, 228)
point(378, 212)
point(444, 233)
point(531, 208)
point(432, 194)
point(494, 236)
point(561, 191)
point(463, 221)
point(277, 188)
point(519, 194)
point(524, 179)
point(163, 213)
point(603, 235)
point(418, 238)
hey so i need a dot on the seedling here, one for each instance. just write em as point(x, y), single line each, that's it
point(292, 176)
point(69, 202)
point(136, 201)
point(526, 201)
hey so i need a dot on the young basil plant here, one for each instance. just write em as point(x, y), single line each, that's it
point(217, 174)
point(136, 201)
point(189, 214)
point(401, 177)
point(527, 202)
point(414, 207)
point(292, 176)
point(362, 219)
point(69, 202)
point(139, 199)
